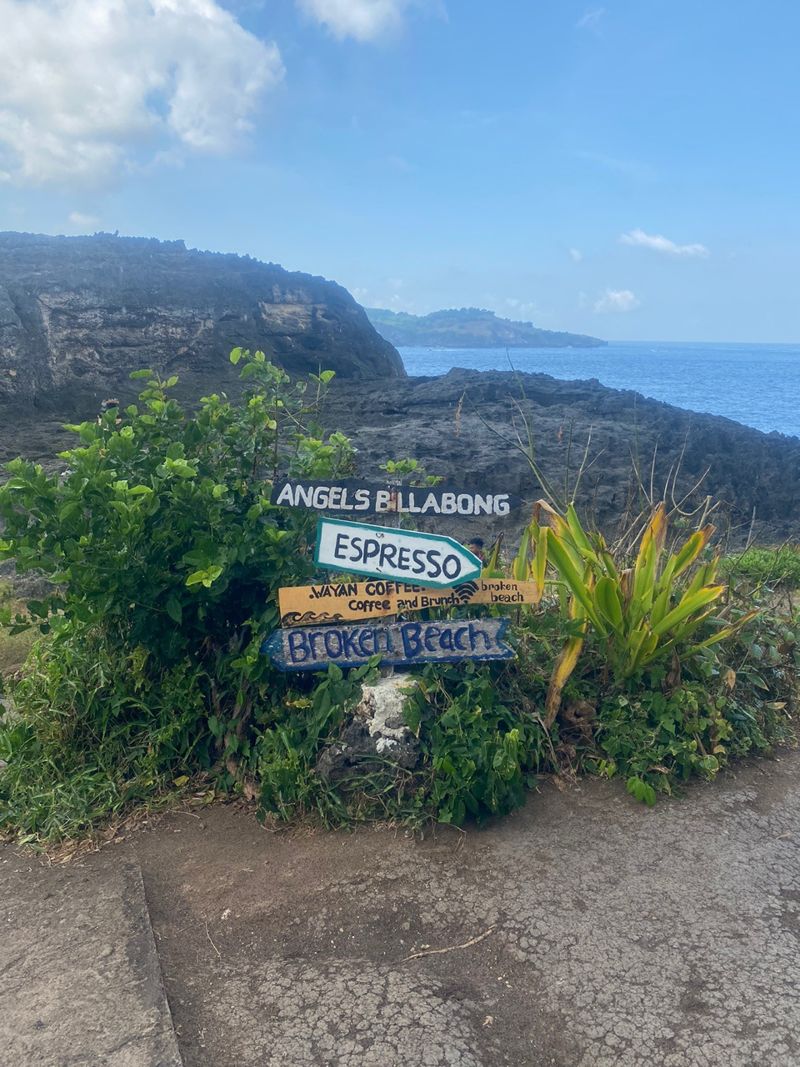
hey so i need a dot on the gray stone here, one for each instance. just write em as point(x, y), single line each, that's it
point(77, 314)
point(377, 733)
point(80, 979)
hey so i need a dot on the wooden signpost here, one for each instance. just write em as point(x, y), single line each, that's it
point(409, 571)
point(397, 643)
point(402, 555)
point(363, 498)
point(308, 605)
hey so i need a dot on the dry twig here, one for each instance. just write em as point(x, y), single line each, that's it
point(450, 948)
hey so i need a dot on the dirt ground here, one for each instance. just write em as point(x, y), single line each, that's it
point(584, 930)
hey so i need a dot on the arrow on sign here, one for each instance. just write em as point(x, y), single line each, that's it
point(403, 555)
point(307, 648)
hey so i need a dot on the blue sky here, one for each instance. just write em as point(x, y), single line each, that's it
point(627, 169)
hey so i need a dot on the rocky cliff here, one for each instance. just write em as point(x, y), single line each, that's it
point(77, 314)
point(463, 426)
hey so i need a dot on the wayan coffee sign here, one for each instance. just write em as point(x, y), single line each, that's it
point(398, 644)
point(345, 601)
point(402, 555)
point(356, 497)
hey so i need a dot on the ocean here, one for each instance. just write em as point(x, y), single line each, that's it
point(756, 384)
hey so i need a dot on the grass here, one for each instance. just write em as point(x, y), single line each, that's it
point(765, 566)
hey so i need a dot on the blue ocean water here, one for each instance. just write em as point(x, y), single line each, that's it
point(756, 384)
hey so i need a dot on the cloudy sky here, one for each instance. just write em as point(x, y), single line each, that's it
point(628, 169)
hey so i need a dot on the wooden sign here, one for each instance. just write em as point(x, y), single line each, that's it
point(356, 497)
point(308, 605)
point(403, 555)
point(397, 643)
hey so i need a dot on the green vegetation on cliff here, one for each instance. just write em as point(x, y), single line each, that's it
point(160, 556)
point(470, 328)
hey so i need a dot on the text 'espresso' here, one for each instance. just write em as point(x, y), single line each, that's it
point(385, 552)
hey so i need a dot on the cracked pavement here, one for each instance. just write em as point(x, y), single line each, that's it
point(583, 931)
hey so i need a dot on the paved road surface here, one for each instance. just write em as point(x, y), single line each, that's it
point(595, 932)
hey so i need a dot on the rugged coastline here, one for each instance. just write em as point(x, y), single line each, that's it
point(78, 314)
point(462, 426)
point(470, 328)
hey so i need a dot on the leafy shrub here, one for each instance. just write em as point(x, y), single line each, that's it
point(642, 613)
point(164, 558)
point(480, 753)
point(162, 546)
point(764, 566)
point(286, 754)
point(656, 735)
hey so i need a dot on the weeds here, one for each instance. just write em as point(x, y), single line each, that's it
point(771, 567)
point(164, 555)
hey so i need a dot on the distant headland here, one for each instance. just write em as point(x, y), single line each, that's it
point(470, 328)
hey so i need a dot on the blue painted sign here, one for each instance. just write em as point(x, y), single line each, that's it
point(402, 555)
point(311, 648)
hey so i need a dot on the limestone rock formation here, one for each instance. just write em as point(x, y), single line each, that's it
point(77, 314)
point(463, 426)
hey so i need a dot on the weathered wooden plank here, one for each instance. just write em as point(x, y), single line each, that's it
point(307, 605)
point(310, 648)
point(403, 555)
point(365, 498)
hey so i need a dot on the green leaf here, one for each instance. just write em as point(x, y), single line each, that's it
point(235, 356)
point(327, 376)
point(139, 374)
point(609, 601)
point(174, 609)
point(641, 790)
point(204, 577)
point(689, 605)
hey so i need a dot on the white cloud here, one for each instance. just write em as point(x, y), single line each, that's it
point(83, 222)
point(365, 20)
point(658, 243)
point(617, 300)
point(590, 19)
point(89, 86)
point(575, 255)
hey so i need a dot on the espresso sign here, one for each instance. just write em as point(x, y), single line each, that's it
point(397, 644)
point(365, 499)
point(402, 555)
point(343, 601)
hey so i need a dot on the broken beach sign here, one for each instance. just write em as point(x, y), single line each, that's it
point(307, 648)
point(403, 555)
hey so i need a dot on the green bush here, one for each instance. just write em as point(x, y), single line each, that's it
point(480, 753)
point(164, 557)
point(765, 566)
point(164, 551)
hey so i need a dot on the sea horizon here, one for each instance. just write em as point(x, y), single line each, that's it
point(755, 384)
